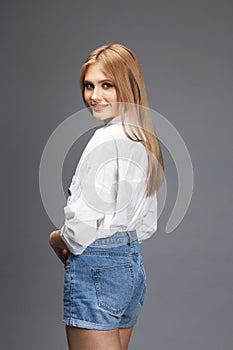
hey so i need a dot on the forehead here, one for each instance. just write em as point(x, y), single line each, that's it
point(95, 71)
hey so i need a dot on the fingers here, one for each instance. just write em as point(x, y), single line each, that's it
point(64, 256)
point(64, 253)
point(58, 252)
point(61, 254)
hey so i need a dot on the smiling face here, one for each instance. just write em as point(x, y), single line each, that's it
point(100, 93)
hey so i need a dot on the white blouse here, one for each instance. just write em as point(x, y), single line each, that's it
point(107, 190)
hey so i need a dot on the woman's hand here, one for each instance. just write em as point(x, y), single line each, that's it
point(58, 245)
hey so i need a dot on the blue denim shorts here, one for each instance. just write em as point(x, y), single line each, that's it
point(105, 286)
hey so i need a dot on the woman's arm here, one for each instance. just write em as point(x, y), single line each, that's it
point(58, 245)
point(93, 196)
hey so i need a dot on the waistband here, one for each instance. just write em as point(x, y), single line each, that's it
point(117, 238)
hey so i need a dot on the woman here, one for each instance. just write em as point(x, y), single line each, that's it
point(112, 206)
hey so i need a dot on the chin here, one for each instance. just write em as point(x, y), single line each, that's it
point(103, 116)
point(99, 116)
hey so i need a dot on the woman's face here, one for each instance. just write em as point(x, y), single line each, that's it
point(99, 93)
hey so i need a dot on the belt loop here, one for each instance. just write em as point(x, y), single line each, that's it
point(130, 239)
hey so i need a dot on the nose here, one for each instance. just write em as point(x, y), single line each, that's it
point(96, 94)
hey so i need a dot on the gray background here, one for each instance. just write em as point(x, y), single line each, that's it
point(185, 49)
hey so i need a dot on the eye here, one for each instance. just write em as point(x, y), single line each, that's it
point(107, 85)
point(88, 85)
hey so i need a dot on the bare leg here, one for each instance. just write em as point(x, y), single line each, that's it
point(125, 334)
point(88, 339)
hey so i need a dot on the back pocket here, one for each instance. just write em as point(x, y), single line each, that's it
point(114, 286)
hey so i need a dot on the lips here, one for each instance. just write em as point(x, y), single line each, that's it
point(99, 107)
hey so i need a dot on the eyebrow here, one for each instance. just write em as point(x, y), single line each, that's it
point(100, 81)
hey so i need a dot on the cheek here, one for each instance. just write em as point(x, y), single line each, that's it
point(86, 95)
point(111, 96)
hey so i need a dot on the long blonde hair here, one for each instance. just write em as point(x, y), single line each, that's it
point(121, 66)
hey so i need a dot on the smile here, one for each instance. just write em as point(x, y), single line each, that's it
point(99, 107)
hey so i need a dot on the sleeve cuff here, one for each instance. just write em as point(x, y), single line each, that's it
point(73, 247)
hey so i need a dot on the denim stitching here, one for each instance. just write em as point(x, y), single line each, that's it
point(97, 286)
point(110, 254)
point(145, 284)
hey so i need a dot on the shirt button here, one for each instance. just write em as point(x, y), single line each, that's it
point(68, 191)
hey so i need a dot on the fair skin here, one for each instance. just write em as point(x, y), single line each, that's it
point(100, 93)
point(101, 97)
point(58, 245)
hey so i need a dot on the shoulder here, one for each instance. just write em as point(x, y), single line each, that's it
point(109, 134)
point(112, 138)
point(100, 145)
point(103, 133)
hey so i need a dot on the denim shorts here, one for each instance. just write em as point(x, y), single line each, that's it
point(105, 286)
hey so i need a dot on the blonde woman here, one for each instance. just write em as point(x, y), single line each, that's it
point(112, 206)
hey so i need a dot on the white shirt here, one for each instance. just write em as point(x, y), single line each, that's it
point(107, 190)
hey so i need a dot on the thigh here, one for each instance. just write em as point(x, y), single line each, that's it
point(88, 339)
point(125, 335)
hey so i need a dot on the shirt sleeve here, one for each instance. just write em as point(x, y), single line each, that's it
point(93, 194)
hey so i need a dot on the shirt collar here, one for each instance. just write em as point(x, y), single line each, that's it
point(114, 120)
